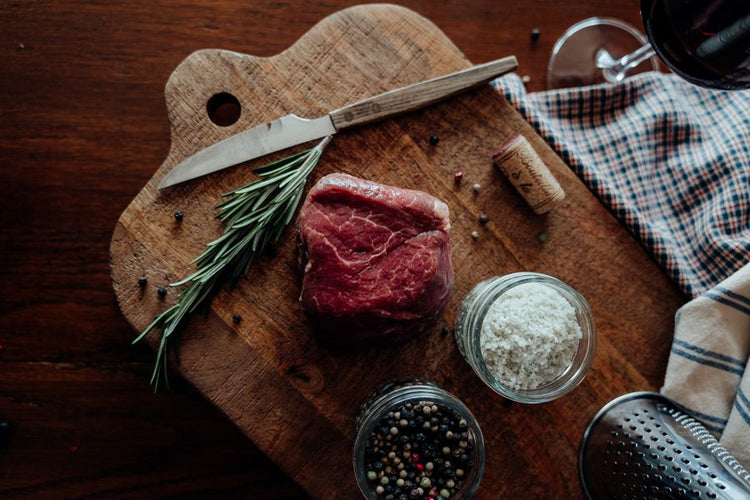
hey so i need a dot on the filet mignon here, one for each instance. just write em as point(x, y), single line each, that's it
point(376, 258)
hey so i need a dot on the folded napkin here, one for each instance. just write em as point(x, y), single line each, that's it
point(669, 159)
point(706, 372)
point(672, 162)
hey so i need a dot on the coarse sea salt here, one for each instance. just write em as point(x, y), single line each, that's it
point(529, 336)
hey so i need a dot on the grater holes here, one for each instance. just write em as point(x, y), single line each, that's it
point(711, 494)
point(721, 486)
point(645, 451)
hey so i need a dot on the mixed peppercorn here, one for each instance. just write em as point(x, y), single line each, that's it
point(419, 451)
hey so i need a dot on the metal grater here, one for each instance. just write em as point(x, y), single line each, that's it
point(644, 446)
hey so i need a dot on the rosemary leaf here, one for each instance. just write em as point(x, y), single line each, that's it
point(255, 215)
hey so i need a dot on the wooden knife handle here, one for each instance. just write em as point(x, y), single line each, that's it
point(420, 94)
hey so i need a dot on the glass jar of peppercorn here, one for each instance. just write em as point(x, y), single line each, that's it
point(414, 440)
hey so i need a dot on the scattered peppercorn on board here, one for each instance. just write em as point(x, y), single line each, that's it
point(297, 399)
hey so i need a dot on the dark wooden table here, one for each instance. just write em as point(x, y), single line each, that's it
point(83, 127)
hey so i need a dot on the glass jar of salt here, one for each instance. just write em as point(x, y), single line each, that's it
point(528, 336)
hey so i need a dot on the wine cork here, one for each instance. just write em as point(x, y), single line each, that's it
point(518, 161)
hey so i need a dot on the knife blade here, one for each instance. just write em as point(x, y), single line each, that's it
point(291, 130)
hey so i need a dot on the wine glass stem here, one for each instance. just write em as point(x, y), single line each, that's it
point(615, 70)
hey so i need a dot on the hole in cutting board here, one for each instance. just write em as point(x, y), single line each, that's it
point(223, 109)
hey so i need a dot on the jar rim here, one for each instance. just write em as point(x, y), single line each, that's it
point(566, 381)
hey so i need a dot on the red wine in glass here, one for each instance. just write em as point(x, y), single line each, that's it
point(706, 42)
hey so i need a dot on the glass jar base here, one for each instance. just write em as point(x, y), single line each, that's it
point(573, 62)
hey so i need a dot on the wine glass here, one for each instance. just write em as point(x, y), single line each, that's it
point(706, 42)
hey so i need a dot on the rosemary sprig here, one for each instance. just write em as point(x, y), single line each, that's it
point(255, 215)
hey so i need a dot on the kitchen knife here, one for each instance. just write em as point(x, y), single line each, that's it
point(291, 130)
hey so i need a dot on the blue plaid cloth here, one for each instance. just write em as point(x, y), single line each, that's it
point(670, 160)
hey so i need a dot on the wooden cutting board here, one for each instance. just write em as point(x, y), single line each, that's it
point(296, 399)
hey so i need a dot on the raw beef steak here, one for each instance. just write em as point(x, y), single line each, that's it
point(376, 258)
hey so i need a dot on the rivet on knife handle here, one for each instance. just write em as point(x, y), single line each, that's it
point(420, 94)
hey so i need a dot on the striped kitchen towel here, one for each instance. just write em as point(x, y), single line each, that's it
point(706, 372)
point(670, 160)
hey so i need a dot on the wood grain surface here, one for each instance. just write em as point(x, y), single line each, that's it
point(269, 374)
point(84, 127)
point(420, 94)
